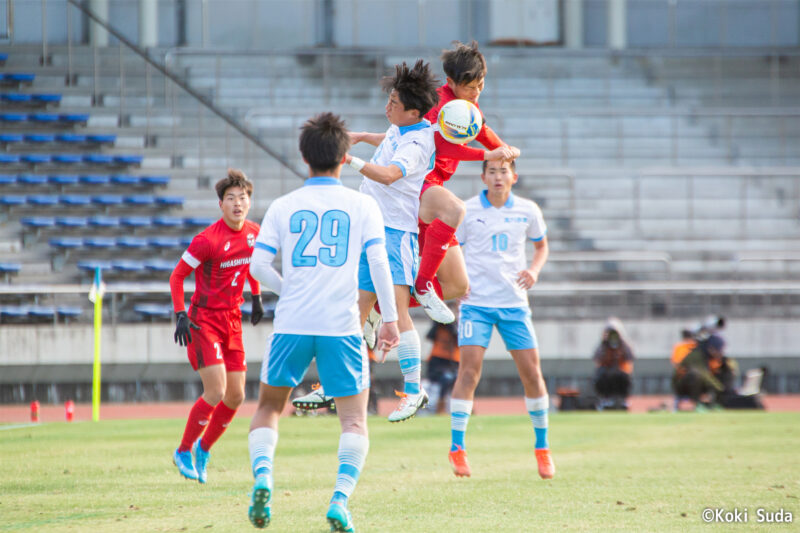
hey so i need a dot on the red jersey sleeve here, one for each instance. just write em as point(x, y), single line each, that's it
point(458, 152)
point(199, 251)
point(255, 286)
point(489, 138)
point(179, 273)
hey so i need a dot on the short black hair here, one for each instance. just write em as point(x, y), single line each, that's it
point(235, 178)
point(513, 164)
point(415, 86)
point(464, 63)
point(324, 142)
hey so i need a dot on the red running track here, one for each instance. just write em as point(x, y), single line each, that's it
point(488, 406)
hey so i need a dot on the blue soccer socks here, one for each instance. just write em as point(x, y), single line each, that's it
point(408, 354)
point(537, 409)
point(460, 410)
point(353, 450)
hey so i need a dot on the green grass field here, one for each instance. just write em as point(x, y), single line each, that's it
point(624, 472)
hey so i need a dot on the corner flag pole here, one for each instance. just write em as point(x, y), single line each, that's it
point(96, 295)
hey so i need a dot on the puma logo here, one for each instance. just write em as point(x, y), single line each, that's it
point(481, 221)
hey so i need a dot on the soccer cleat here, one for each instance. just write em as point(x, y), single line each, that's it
point(200, 461)
point(434, 307)
point(259, 512)
point(547, 469)
point(183, 460)
point(371, 327)
point(316, 399)
point(459, 462)
point(408, 406)
point(339, 518)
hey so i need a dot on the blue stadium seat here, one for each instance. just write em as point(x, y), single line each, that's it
point(10, 268)
point(125, 179)
point(14, 311)
point(47, 98)
point(69, 311)
point(40, 138)
point(66, 242)
point(186, 241)
point(36, 159)
point(107, 199)
point(101, 221)
point(10, 138)
point(3, 58)
point(12, 200)
point(140, 199)
point(92, 265)
point(156, 181)
point(43, 118)
point(71, 138)
point(21, 77)
point(136, 222)
point(16, 98)
point(77, 118)
point(167, 221)
point(13, 117)
point(67, 159)
point(43, 200)
point(169, 200)
point(102, 138)
point(72, 222)
point(7, 179)
point(63, 179)
point(75, 200)
point(38, 222)
point(154, 310)
point(98, 159)
point(42, 312)
point(128, 159)
point(159, 265)
point(99, 242)
point(9, 159)
point(198, 221)
point(127, 265)
point(132, 242)
point(31, 179)
point(95, 179)
point(165, 242)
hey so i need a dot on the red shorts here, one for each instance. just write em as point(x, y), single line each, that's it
point(423, 227)
point(219, 339)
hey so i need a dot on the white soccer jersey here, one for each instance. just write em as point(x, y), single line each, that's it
point(411, 148)
point(321, 229)
point(493, 241)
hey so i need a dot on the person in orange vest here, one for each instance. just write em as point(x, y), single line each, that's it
point(682, 349)
point(442, 364)
point(614, 365)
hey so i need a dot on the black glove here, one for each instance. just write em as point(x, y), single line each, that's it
point(257, 312)
point(183, 335)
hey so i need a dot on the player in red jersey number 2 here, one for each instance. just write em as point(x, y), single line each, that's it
point(212, 329)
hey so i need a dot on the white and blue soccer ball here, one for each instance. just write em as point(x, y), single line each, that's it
point(460, 121)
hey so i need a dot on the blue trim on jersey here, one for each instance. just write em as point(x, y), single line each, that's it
point(486, 203)
point(413, 127)
point(514, 324)
point(540, 238)
point(403, 252)
point(322, 180)
point(266, 247)
point(400, 166)
point(370, 242)
point(342, 362)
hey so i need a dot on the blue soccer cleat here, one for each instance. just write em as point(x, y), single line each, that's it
point(339, 518)
point(183, 460)
point(200, 461)
point(259, 513)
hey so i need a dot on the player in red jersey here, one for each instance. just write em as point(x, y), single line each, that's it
point(221, 254)
point(440, 211)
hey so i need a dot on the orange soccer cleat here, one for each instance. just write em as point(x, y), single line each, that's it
point(458, 458)
point(547, 469)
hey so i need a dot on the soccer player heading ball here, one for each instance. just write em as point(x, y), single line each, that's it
point(212, 329)
point(495, 230)
point(329, 236)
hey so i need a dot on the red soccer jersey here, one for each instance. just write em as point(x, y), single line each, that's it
point(448, 154)
point(221, 259)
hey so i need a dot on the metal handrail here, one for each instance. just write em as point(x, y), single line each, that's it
point(208, 104)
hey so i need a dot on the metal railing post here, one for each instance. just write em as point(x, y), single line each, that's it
point(121, 85)
point(69, 44)
point(43, 59)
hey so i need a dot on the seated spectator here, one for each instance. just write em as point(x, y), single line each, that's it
point(442, 365)
point(614, 361)
point(682, 349)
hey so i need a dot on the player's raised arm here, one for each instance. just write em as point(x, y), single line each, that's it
point(375, 139)
point(385, 175)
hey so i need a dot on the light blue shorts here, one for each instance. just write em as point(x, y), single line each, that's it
point(342, 362)
point(514, 325)
point(403, 251)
